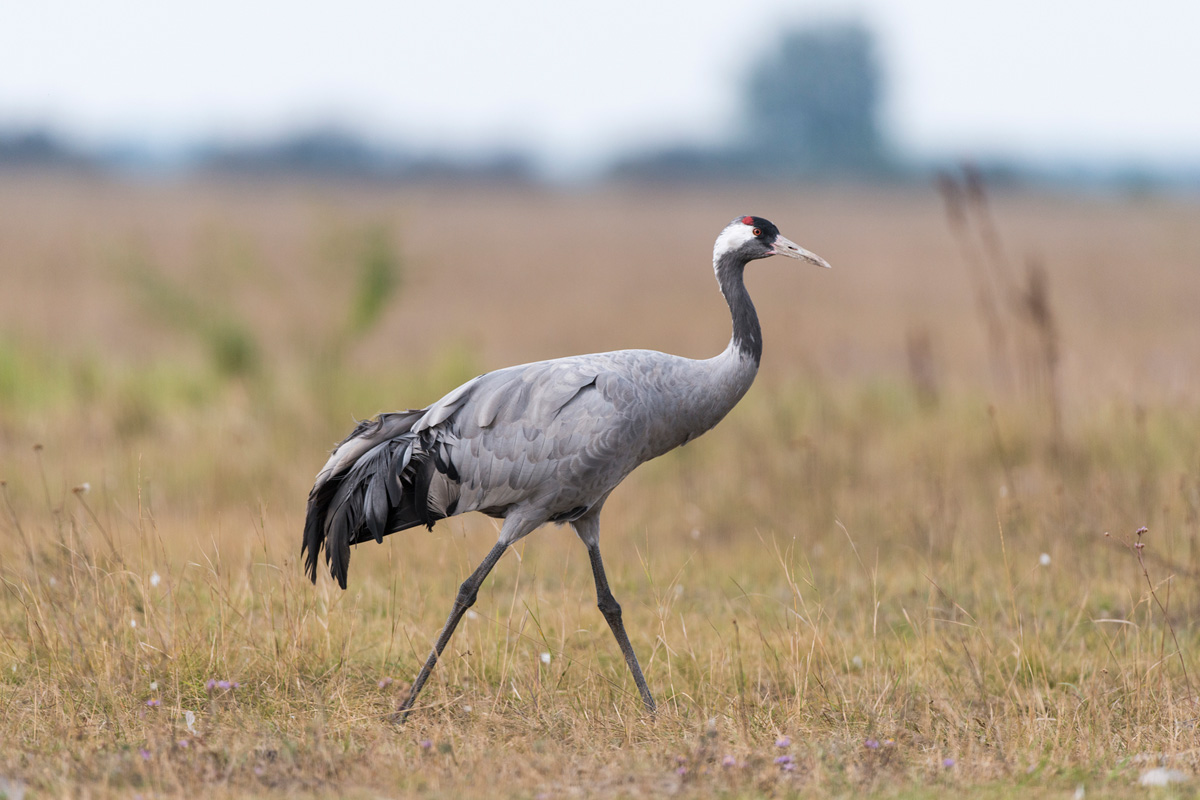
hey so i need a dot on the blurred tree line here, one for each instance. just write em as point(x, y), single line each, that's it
point(810, 107)
point(334, 152)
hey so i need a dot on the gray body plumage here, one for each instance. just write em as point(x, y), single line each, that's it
point(548, 440)
point(537, 443)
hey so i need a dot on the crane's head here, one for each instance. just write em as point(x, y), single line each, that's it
point(748, 238)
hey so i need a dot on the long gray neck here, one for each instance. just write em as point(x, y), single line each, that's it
point(747, 335)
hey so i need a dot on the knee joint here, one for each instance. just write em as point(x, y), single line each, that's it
point(466, 595)
point(609, 606)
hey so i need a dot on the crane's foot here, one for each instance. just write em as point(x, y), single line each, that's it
point(400, 715)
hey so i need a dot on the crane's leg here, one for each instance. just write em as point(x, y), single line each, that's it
point(588, 529)
point(465, 599)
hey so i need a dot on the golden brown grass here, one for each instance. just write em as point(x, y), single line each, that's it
point(842, 564)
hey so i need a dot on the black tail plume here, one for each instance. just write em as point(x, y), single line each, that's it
point(373, 484)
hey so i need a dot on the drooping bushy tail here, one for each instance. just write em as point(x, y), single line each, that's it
point(376, 482)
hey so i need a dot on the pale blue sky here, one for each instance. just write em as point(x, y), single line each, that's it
point(578, 82)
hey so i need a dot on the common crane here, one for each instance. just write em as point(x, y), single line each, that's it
point(537, 443)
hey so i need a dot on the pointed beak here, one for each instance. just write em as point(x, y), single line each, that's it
point(786, 247)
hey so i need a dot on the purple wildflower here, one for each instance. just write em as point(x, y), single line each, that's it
point(154, 702)
point(872, 744)
point(385, 682)
point(728, 761)
point(784, 759)
point(212, 684)
point(144, 753)
point(184, 743)
point(222, 684)
point(947, 762)
point(426, 744)
point(681, 771)
point(788, 767)
point(783, 741)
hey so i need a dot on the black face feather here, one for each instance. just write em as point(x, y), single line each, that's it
point(769, 231)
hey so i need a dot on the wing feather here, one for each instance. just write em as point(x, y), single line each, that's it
point(526, 433)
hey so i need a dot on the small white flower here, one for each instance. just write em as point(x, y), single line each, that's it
point(12, 788)
point(84, 487)
point(471, 614)
point(190, 718)
point(154, 686)
point(467, 709)
point(155, 579)
point(1044, 559)
point(545, 658)
point(133, 623)
point(856, 662)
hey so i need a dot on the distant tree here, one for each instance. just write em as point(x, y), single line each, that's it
point(812, 105)
point(325, 151)
point(331, 152)
point(810, 108)
point(37, 148)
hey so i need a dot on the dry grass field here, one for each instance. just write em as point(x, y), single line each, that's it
point(906, 565)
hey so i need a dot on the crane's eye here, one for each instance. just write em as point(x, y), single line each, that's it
point(757, 231)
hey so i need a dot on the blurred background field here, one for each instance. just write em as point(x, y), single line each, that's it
point(855, 556)
point(907, 564)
